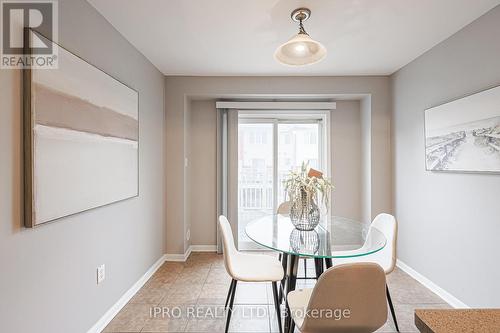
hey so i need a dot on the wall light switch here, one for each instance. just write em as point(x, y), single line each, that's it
point(101, 273)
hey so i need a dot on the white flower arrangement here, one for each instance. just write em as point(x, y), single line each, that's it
point(311, 182)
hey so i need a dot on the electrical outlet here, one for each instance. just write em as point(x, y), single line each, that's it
point(188, 234)
point(186, 162)
point(101, 273)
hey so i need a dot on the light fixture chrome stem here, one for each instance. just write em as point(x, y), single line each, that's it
point(301, 29)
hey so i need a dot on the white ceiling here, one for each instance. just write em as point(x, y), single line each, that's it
point(239, 37)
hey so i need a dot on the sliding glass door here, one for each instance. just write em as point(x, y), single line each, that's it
point(268, 148)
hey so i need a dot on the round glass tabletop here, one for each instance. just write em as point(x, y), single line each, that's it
point(334, 237)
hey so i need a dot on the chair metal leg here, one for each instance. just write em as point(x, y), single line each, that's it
point(231, 302)
point(284, 263)
point(318, 265)
point(229, 293)
point(292, 280)
point(391, 306)
point(277, 305)
point(328, 263)
point(305, 268)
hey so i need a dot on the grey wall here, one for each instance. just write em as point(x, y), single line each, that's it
point(202, 172)
point(180, 90)
point(346, 148)
point(48, 274)
point(449, 222)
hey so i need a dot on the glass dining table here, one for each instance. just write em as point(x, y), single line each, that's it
point(334, 237)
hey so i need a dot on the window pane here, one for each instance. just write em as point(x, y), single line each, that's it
point(297, 143)
point(255, 175)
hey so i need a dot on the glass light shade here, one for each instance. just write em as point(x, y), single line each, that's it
point(300, 50)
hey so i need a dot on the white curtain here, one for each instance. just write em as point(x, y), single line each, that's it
point(227, 169)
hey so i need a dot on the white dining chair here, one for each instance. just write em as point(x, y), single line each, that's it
point(346, 298)
point(386, 258)
point(246, 267)
point(284, 208)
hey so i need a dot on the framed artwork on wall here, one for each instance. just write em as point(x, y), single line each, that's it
point(464, 135)
point(81, 139)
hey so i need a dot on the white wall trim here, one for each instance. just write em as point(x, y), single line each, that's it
point(193, 248)
point(276, 105)
point(113, 311)
point(178, 257)
point(449, 298)
point(204, 248)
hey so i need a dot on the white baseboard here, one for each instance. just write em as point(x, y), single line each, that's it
point(178, 257)
point(449, 298)
point(192, 248)
point(204, 248)
point(111, 313)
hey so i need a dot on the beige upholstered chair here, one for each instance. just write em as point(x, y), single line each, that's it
point(386, 224)
point(248, 267)
point(284, 208)
point(347, 298)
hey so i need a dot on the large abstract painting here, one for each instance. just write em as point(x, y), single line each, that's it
point(81, 140)
point(464, 135)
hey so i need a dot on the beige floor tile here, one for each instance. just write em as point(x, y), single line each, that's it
point(218, 276)
point(251, 293)
point(163, 277)
point(206, 325)
point(191, 275)
point(160, 287)
point(172, 266)
point(270, 297)
point(273, 319)
point(148, 295)
point(411, 292)
point(131, 318)
point(157, 325)
point(202, 283)
point(199, 265)
point(213, 294)
point(250, 318)
point(203, 260)
point(218, 264)
point(183, 294)
point(207, 319)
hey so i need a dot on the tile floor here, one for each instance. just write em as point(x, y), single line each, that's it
point(190, 296)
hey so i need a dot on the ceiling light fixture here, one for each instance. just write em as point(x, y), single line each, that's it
point(301, 49)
